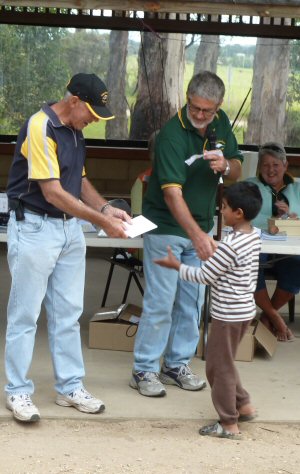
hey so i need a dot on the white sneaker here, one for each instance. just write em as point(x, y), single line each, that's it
point(82, 400)
point(22, 407)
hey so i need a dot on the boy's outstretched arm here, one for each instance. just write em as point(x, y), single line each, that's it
point(170, 261)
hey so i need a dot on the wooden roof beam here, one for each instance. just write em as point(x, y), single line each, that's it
point(272, 8)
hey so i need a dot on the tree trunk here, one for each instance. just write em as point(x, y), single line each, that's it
point(160, 82)
point(267, 119)
point(116, 83)
point(207, 54)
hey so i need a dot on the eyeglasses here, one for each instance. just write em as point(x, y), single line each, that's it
point(196, 110)
point(272, 147)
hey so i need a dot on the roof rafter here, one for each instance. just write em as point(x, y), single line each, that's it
point(272, 8)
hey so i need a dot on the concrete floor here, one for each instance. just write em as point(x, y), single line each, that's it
point(274, 383)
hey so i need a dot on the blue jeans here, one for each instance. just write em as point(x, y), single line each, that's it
point(46, 259)
point(171, 308)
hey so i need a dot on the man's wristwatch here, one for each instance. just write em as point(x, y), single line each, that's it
point(104, 207)
point(227, 169)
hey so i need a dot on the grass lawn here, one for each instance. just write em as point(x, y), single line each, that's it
point(95, 130)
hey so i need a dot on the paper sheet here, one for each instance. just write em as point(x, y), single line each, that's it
point(140, 225)
point(193, 158)
point(265, 235)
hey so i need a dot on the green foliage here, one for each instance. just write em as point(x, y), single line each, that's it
point(236, 55)
point(293, 93)
point(133, 48)
point(293, 128)
point(36, 64)
point(295, 56)
point(32, 71)
point(86, 50)
point(131, 79)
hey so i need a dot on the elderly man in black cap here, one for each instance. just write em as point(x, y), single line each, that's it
point(47, 190)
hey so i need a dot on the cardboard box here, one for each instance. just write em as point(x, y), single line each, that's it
point(256, 336)
point(114, 328)
point(290, 226)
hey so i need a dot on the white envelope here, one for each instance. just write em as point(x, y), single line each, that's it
point(140, 225)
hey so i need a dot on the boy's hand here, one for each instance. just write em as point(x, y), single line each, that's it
point(170, 261)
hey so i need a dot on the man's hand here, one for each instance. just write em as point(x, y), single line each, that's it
point(114, 227)
point(217, 161)
point(116, 212)
point(204, 245)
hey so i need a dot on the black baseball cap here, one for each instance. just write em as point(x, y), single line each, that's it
point(91, 90)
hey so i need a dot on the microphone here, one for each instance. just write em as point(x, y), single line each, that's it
point(212, 139)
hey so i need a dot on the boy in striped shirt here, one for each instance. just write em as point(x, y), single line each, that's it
point(232, 274)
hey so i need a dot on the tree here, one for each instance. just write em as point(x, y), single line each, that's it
point(86, 51)
point(267, 119)
point(293, 97)
point(160, 82)
point(32, 71)
point(116, 82)
point(207, 54)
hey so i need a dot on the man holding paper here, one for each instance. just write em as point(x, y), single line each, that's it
point(47, 189)
point(180, 200)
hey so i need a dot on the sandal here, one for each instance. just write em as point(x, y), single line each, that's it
point(286, 336)
point(290, 335)
point(217, 431)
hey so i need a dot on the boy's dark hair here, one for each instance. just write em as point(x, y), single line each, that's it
point(246, 196)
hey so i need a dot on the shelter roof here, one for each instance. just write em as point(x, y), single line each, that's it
point(273, 8)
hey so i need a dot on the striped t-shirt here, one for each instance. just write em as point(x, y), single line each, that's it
point(232, 273)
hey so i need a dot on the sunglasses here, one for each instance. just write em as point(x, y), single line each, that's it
point(273, 148)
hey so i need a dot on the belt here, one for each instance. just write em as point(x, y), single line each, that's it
point(32, 210)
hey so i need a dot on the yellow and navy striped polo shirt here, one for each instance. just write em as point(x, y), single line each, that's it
point(46, 149)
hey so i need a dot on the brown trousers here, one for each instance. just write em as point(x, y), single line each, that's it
point(227, 392)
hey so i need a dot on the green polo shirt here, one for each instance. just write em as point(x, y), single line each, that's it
point(178, 141)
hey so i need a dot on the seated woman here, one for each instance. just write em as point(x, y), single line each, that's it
point(281, 197)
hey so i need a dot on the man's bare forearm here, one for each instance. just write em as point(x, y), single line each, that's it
point(58, 197)
point(180, 211)
point(203, 243)
point(90, 195)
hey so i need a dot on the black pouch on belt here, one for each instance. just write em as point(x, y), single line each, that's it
point(17, 206)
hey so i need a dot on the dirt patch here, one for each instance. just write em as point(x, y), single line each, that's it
point(147, 447)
